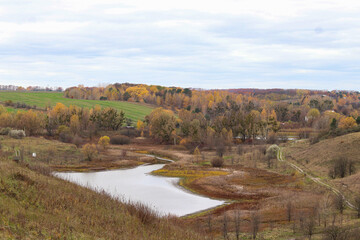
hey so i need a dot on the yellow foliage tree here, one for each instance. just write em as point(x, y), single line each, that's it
point(140, 126)
point(30, 121)
point(137, 92)
point(74, 124)
point(346, 123)
point(104, 142)
point(6, 120)
point(197, 154)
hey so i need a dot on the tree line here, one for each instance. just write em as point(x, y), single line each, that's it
point(63, 121)
point(293, 108)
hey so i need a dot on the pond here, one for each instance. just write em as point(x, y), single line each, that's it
point(162, 193)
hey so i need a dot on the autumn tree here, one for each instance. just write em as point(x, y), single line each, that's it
point(6, 119)
point(74, 124)
point(107, 118)
point(90, 151)
point(161, 124)
point(137, 92)
point(32, 122)
point(140, 125)
point(312, 115)
point(346, 123)
point(104, 142)
point(197, 154)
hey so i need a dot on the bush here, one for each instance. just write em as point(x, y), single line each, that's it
point(64, 134)
point(146, 214)
point(217, 162)
point(104, 142)
point(5, 131)
point(17, 134)
point(120, 140)
point(77, 141)
point(272, 152)
point(342, 167)
point(220, 149)
point(130, 132)
point(314, 140)
point(90, 151)
point(9, 103)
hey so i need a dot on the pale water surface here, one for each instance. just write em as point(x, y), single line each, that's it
point(137, 184)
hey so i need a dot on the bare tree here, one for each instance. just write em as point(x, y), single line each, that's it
point(308, 225)
point(289, 211)
point(325, 205)
point(336, 233)
point(357, 205)
point(220, 149)
point(342, 167)
point(351, 167)
point(339, 203)
point(237, 224)
point(225, 226)
point(255, 224)
point(209, 223)
point(240, 150)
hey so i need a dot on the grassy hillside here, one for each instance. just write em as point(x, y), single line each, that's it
point(319, 158)
point(134, 111)
point(36, 205)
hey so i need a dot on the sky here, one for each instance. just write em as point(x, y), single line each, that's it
point(309, 44)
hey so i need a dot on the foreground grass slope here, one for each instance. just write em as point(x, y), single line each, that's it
point(134, 111)
point(36, 205)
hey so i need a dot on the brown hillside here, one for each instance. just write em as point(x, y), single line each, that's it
point(318, 158)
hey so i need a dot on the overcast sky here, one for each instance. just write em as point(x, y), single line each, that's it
point(312, 44)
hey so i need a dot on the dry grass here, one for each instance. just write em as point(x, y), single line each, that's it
point(36, 206)
point(67, 157)
point(318, 158)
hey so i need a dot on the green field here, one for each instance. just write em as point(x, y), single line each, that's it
point(134, 111)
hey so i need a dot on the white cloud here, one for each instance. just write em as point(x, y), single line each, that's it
point(228, 43)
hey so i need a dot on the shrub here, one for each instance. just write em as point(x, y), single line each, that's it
point(77, 140)
point(342, 167)
point(130, 132)
point(146, 214)
point(65, 134)
point(5, 131)
point(272, 151)
point(314, 140)
point(9, 103)
point(17, 134)
point(104, 142)
point(217, 162)
point(220, 149)
point(120, 140)
point(90, 151)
